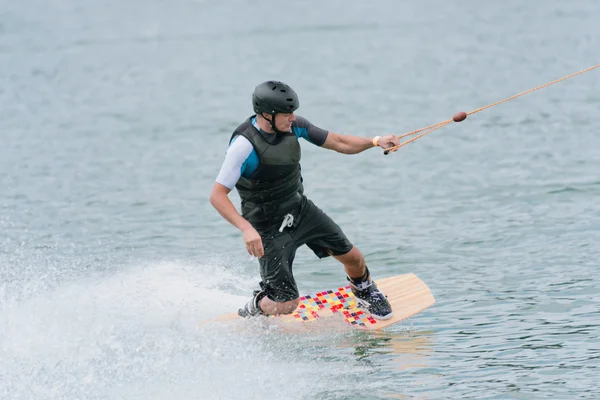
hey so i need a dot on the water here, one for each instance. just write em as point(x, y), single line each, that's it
point(114, 118)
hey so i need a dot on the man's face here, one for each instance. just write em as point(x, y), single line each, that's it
point(283, 121)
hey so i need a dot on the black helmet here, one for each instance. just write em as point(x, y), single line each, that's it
point(274, 97)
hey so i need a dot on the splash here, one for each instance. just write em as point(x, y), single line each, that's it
point(135, 334)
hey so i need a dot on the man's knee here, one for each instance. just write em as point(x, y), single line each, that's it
point(271, 307)
point(287, 307)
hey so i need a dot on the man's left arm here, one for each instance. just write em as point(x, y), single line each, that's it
point(347, 144)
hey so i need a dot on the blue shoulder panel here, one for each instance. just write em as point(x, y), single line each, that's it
point(250, 165)
point(300, 132)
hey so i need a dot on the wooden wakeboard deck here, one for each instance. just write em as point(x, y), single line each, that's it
point(407, 294)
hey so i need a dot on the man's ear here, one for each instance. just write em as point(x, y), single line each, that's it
point(265, 115)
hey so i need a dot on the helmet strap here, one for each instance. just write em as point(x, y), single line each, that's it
point(272, 121)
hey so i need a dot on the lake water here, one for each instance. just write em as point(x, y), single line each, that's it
point(114, 119)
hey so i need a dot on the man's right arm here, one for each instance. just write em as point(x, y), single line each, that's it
point(237, 159)
point(220, 200)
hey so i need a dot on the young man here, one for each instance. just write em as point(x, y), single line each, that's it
point(263, 163)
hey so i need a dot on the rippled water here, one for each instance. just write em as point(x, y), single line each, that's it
point(114, 119)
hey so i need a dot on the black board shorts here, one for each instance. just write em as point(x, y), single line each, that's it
point(311, 226)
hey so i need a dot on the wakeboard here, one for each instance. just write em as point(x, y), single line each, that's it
point(407, 294)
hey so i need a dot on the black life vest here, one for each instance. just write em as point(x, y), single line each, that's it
point(275, 188)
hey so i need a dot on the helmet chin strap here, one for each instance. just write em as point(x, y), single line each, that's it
point(272, 122)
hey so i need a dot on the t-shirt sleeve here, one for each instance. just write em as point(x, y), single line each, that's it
point(304, 129)
point(238, 160)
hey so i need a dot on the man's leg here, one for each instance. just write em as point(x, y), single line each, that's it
point(279, 294)
point(354, 263)
point(326, 238)
point(270, 307)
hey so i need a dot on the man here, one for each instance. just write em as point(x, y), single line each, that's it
point(263, 163)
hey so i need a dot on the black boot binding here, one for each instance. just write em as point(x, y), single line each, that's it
point(371, 297)
point(252, 308)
